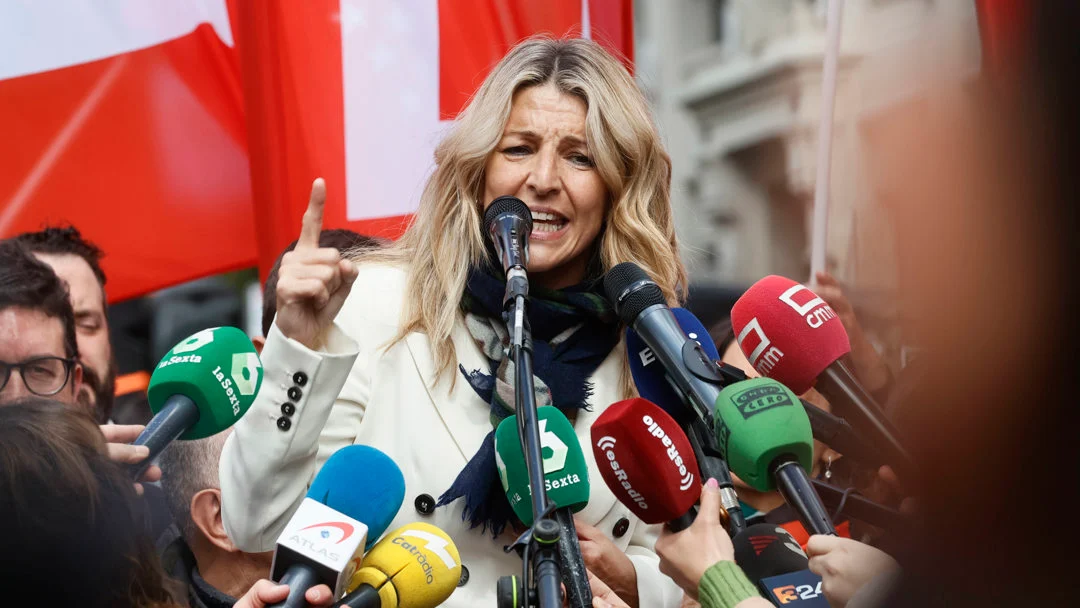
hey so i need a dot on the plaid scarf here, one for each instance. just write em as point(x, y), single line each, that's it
point(573, 331)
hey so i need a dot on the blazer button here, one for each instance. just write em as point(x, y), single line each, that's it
point(284, 423)
point(288, 408)
point(295, 393)
point(299, 378)
point(461, 582)
point(621, 527)
point(425, 504)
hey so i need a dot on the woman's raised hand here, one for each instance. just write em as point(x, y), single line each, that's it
point(313, 281)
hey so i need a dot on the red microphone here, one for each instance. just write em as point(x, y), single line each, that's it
point(789, 334)
point(647, 461)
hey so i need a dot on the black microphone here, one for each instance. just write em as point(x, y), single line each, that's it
point(509, 224)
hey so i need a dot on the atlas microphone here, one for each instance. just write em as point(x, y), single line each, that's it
point(655, 383)
point(201, 387)
point(770, 557)
point(415, 566)
point(566, 481)
point(765, 437)
point(353, 498)
point(790, 334)
point(647, 462)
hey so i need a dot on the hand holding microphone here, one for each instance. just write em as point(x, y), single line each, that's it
point(265, 593)
point(313, 281)
point(686, 555)
point(846, 565)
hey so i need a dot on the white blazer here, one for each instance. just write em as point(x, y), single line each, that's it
point(354, 390)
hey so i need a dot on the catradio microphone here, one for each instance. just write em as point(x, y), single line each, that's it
point(765, 436)
point(566, 481)
point(647, 462)
point(415, 566)
point(199, 388)
point(354, 497)
point(790, 334)
point(654, 383)
point(771, 558)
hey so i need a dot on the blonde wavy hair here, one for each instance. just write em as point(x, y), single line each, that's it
point(445, 238)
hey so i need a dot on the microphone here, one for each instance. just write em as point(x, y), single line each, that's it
point(790, 334)
point(566, 481)
point(415, 566)
point(655, 384)
point(765, 436)
point(509, 224)
point(201, 387)
point(325, 539)
point(770, 557)
point(647, 461)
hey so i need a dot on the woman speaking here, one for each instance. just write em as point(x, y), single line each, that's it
point(403, 348)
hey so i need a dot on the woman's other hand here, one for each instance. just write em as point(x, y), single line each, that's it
point(686, 555)
point(313, 281)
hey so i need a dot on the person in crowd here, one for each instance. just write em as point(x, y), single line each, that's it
point(77, 262)
point(201, 556)
point(411, 360)
point(343, 240)
point(69, 515)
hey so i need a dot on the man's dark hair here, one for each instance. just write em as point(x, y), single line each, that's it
point(339, 238)
point(26, 282)
point(64, 240)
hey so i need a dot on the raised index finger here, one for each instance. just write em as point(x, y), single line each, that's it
point(313, 217)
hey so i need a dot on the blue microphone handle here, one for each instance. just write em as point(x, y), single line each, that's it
point(179, 414)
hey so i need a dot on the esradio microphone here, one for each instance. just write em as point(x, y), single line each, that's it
point(647, 462)
point(509, 224)
point(654, 383)
point(566, 482)
point(765, 436)
point(771, 558)
point(790, 334)
point(325, 539)
point(201, 387)
point(415, 566)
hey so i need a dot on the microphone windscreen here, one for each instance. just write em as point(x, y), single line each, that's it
point(363, 483)
point(216, 368)
point(756, 421)
point(764, 550)
point(421, 561)
point(787, 332)
point(508, 204)
point(648, 373)
point(566, 474)
point(630, 291)
point(646, 460)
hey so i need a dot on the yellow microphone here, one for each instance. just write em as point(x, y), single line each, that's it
point(415, 566)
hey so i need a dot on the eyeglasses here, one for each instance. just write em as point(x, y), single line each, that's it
point(43, 376)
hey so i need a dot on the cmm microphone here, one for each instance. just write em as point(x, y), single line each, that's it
point(509, 224)
point(770, 557)
point(354, 497)
point(765, 436)
point(201, 387)
point(566, 481)
point(647, 462)
point(790, 334)
point(415, 566)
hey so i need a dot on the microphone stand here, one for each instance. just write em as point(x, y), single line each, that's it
point(541, 541)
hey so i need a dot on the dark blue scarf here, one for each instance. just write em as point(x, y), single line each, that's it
point(573, 330)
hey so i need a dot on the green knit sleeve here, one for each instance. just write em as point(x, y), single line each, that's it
point(724, 585)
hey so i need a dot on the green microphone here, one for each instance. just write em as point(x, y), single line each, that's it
point(201, 387)
point(764, 435)
point(566, 482)
point(566, 475)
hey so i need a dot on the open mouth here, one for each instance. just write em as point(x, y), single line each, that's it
point(546, 222)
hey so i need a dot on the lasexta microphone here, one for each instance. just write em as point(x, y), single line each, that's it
point(415, 566)
point(790, 334)
point(566, 481)
point(774, 561)
point(324, 541)
point(647, 462)
point(765, 436)
point(201, 387)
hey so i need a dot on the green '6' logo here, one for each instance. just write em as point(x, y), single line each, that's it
point(245, 372)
